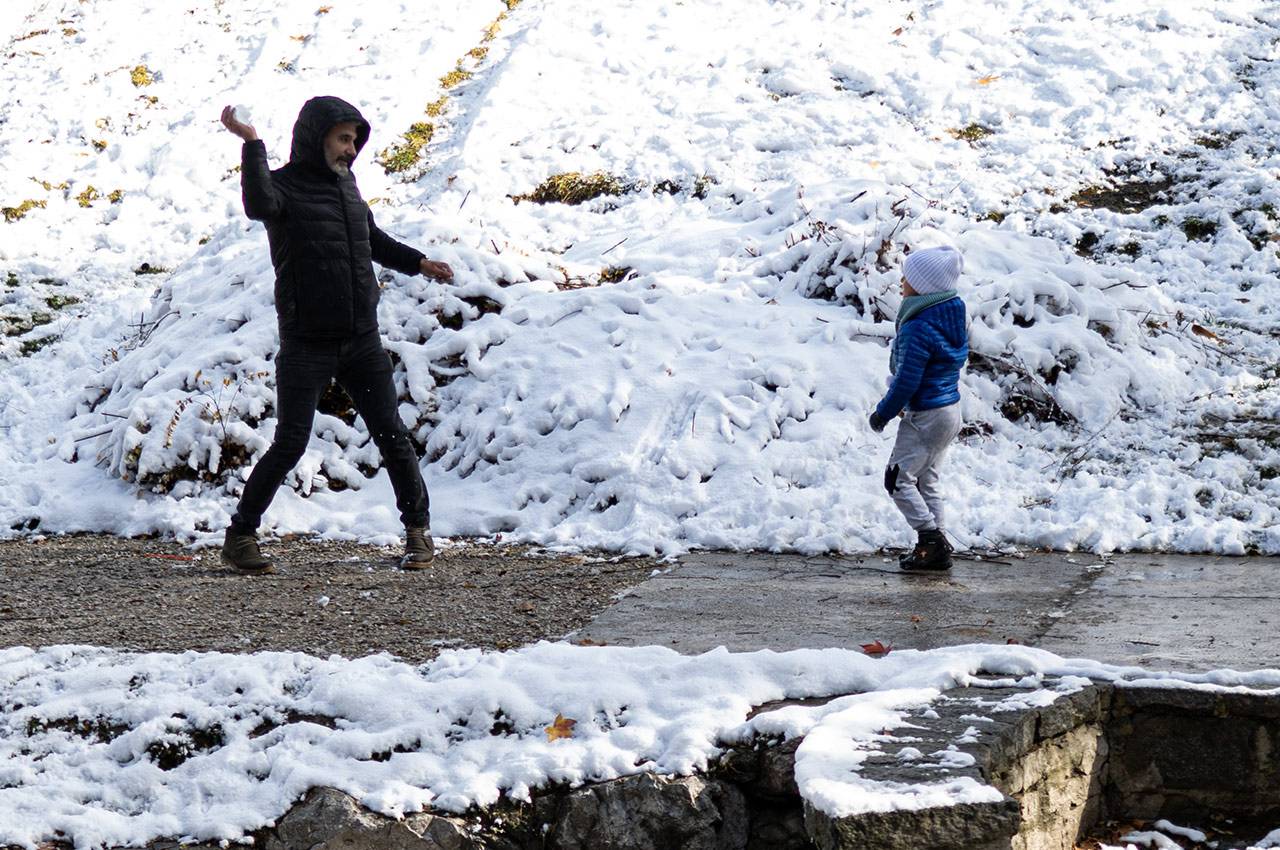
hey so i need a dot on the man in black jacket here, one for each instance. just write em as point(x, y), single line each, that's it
point(323, 244)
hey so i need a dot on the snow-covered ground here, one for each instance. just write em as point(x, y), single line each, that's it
point(781, 157)
point(113, 748)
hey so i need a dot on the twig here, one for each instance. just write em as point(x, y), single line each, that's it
point(91, 436)
point(464, 200)
point(1085, 444)
point(1124, 283)
point(624, 239)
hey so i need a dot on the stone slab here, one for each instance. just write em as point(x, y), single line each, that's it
point(1165, 611)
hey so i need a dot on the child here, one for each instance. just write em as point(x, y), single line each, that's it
point(931, 345)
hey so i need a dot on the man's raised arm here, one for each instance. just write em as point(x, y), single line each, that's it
point(261, 200)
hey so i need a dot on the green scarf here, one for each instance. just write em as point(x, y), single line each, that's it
point(911, 306)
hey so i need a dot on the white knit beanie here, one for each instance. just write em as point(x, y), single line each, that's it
point(932, 270)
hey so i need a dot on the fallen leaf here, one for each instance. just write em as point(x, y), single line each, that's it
point(898, 31)
point(1200, 330)
point(916, 618)
point(589, 642)
point(1012, 640)
point(525, 607)
point(987, 80)
point(876, 648)
point(561, 727)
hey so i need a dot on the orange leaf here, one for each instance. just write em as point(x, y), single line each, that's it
point(876, 648)
point(562, 727)
point(898, 31)
point(1198, 330)
point(916, 618)
point(987, 80)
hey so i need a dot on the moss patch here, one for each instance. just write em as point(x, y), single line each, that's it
point(614, 274)
point(975, 132)
point(698, 187)
point(491, 31)
point(141, 76)
point(1128, 196)
point(18, 325)
point(437, 107)
point(456, 77)
point(14, 213)
point(58, 302)
point(88, 196)
point(574, 187)
point(1199, 228)
point(1217, 141)
point(401, 157)
point(31, 346)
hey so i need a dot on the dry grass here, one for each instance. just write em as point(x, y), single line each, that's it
point(12, 214)
point(574, 187)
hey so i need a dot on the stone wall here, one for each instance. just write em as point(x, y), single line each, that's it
point(1102, 752)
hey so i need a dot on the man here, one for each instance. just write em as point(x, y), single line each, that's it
point(323, 239)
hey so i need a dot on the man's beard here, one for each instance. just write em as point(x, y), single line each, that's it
point(340, 167)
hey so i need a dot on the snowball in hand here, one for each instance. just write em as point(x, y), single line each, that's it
point(241, 113)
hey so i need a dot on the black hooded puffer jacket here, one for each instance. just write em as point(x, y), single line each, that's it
point(321, 231)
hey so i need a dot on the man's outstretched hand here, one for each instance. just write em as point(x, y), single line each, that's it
point(440, 271)
point(239, 128)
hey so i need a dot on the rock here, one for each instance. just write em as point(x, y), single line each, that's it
point(328, 819)
point(969, 826)
point(648, 812)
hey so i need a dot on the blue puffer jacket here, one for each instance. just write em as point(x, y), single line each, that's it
point(931, 346)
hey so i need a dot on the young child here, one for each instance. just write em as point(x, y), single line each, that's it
point(930, 347)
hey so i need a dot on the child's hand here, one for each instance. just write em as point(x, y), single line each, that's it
point(877, 424)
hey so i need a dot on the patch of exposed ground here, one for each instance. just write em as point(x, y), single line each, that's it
point(325, 598)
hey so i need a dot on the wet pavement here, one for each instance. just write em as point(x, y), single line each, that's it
point(1180, 612)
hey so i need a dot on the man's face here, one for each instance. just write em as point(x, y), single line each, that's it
point(340, 147)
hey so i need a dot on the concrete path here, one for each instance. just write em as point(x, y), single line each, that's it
point(1157, 611)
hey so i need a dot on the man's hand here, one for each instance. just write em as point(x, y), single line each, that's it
point(440, 271)
point(244, 131)
point(877, 424)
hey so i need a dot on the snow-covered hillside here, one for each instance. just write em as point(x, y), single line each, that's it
point(689, 359)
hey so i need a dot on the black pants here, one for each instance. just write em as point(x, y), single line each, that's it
point(303, 372)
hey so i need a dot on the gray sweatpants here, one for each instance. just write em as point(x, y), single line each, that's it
point(911, 476)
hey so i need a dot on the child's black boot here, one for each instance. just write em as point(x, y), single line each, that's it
point(930, 553)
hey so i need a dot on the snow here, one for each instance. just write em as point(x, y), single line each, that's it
point(85, 730)
point(716, 397)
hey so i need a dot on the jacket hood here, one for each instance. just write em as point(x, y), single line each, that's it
point(317, 117)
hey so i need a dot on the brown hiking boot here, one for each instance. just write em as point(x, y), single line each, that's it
point(419, 549)
point(240, 552)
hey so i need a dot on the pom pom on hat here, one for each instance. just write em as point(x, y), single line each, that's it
point(932, 270)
